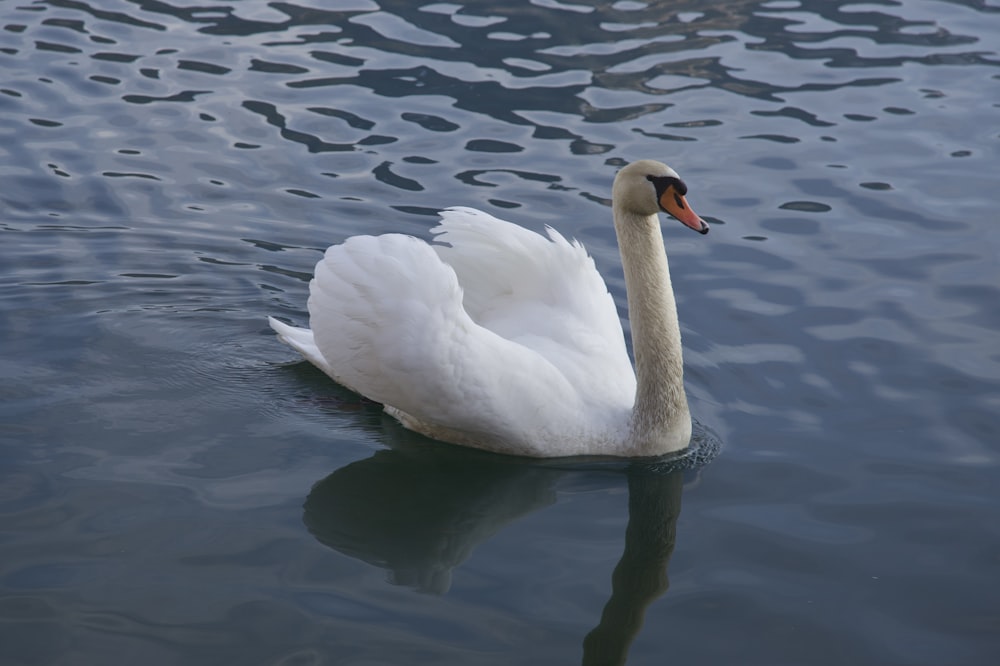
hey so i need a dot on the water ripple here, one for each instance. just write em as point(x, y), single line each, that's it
point(172, 171)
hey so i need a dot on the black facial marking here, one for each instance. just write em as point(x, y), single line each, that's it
point(661, 183)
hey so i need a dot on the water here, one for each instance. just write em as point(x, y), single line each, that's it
point(176, 488)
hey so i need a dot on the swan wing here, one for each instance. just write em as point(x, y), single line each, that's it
point(388, 321)
point(543, 292)
point(502, 339)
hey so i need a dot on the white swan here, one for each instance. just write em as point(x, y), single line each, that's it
point(502, 339)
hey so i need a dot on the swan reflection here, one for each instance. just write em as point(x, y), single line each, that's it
point(654, 503)
point(418, 512)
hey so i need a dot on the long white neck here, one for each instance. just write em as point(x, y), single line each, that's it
point(660, 419)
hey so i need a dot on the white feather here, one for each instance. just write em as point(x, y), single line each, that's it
point(495, 336)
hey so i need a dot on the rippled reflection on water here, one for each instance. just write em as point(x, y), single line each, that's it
point(170, 171)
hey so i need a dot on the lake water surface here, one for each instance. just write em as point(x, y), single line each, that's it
point(176, 487)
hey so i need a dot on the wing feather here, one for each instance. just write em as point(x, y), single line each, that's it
point(543, 292)
point(498, 334)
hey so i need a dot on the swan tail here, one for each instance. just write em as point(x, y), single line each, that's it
point(302, 341)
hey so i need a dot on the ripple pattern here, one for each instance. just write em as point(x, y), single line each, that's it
point(171, 171)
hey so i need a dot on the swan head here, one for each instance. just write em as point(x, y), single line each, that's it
point(646, 187)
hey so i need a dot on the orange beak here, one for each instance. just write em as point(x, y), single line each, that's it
point(675, 204)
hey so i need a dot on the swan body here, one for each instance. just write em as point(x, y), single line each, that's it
point(500, 338)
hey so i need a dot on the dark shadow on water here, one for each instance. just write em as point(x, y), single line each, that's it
point(654, 504)
point(418, 510)
point(419, 514)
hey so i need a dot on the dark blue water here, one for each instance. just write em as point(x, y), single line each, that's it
point(175, 488)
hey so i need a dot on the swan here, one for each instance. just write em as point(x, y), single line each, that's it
point(499, 338)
